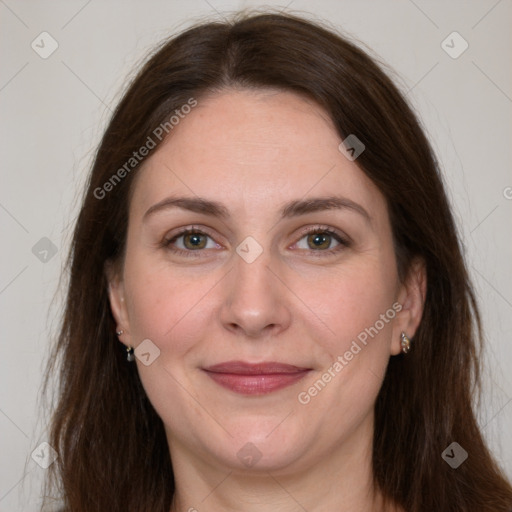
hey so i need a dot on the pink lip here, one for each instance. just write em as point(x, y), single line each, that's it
point(255, 379)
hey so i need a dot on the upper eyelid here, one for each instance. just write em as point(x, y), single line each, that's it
point(187, 230)
point(324, 228)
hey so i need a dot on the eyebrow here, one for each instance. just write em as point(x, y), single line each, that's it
point(291, 209)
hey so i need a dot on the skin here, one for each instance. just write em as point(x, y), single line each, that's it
point(254, 151)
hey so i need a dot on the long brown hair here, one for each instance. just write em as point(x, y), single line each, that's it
point(112, 448)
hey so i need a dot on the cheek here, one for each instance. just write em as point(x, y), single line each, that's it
point(359, 315)
point(167, 306)
point(354, 303)
point(174, 311)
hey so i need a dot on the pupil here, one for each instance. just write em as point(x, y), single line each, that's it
point(319, 240)
point(194, 240)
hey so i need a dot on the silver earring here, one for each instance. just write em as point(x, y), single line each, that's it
point(129, 354)
point(119, 332)
point(405, 342)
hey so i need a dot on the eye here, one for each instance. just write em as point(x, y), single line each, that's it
point(323, 240)
point(189, 240)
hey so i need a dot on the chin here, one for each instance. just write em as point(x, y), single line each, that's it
point(262, 446)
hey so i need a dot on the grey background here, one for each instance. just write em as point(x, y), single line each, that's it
point(53, 112)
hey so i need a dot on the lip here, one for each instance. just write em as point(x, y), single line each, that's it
point(255, 379)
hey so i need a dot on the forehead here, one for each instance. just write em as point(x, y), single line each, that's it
point(254, 151)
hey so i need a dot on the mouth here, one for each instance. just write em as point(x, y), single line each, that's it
point(255, 379)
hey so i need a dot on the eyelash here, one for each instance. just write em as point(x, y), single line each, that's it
point(344, 242)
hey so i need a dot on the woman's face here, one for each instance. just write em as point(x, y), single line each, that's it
point(289, 265)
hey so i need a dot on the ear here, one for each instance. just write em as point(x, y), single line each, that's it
point(411, 298)
point(117, 301)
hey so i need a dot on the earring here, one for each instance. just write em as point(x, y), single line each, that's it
point(129, 350)
point(129, 354)
point(405, 343)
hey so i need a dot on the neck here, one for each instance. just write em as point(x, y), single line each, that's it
point(339, 480)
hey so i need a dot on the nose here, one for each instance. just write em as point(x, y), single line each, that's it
point(256, 304)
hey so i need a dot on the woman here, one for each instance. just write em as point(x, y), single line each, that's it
point(268, 308)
